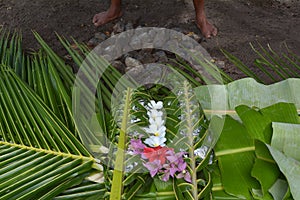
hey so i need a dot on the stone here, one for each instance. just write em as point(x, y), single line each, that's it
point(161, 56)
point(97, 39)
point(100, 36)
point(194, 36)
point(119, 66)
point(145, 55)
point(118, 27)
point(93, 42)
point(128, 26)
point(220, 64)
point(131, 63)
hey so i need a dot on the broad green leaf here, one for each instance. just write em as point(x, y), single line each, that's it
point(264, 169)
point(290, 168)
point(222, 99)
point(258, 122)
point(258, 125)
point(280, 189)
point(235, 154)
point(265, 172)
point(218, 191)
point(286, 138)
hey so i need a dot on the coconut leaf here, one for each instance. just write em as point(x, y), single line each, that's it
point(27, 172)
point(117, 183)
point(272, 65)
point(29, 127)
point(39, 150)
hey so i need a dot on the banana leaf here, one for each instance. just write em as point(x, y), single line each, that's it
point(252, 159)
point(223, 99)
point(285, 146)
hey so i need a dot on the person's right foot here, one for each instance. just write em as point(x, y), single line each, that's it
point(107, 16)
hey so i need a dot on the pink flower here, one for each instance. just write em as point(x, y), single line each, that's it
point(166, 176)
point(171, 168)
point(156, 153)
point(186, 175)
point(175, 158)
point(153, 167)
point(137, 146)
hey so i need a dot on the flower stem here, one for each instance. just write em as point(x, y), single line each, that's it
point(190, 130)
point(117, 186)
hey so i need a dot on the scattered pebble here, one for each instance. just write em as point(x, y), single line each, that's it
point(161, 56)
point(194, 36)
point(119, 27)
point(119, 66)
point(93, 42)
point(131, 62)
point(128, 26)
point(220, 64)
point(100, 36)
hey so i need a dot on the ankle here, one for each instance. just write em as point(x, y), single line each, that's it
point(114, 10)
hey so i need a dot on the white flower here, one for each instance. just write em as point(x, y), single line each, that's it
point(153, 114)
point(155, 106)
point(154, 141)
point(159, 131)
point(157, 122)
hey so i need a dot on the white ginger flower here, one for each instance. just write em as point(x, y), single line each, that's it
point(155, 106)
point(158, 122)
point(154, 114)
point(159, 131)
point(154, 141)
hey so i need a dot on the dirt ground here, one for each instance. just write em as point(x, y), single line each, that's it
point(239, 22)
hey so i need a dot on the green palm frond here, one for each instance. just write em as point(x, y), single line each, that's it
point(27, 172)
point(26, 120)
point(40, 155)
point(117, 182)
point(274, 67)
point(11, 53)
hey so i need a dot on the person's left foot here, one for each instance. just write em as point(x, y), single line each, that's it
point(207, 29)
point(107, 16)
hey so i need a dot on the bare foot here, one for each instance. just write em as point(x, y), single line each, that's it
point(208, 30)
point(107, 16)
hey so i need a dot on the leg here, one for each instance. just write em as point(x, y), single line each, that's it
point(112, 13)
point(206, 28)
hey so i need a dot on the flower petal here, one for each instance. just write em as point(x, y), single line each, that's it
point(156, 106)
point(154, 141)
point(187, 177)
